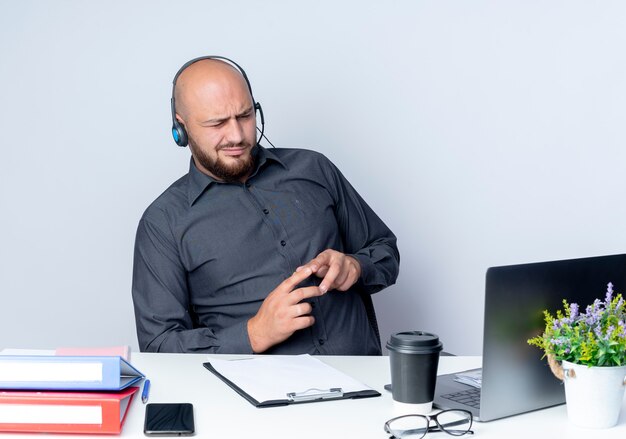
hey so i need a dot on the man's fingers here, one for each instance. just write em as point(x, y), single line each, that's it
point(311, 265)
point(302, 322)
point(297, 296)
point(322, 271)
point(345, 284)
point(329, 278)
point(301, 309)
point(341, 278)
point(292, 281)
point(320, 262)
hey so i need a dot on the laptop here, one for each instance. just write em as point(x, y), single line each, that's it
point(515, 379)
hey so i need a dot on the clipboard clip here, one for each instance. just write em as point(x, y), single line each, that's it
point(315, 394)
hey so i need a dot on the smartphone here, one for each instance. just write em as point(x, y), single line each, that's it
point(169, 420)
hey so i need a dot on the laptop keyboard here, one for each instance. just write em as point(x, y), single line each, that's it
point(469, 397)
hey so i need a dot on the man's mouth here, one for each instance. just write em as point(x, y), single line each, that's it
point(233, 151)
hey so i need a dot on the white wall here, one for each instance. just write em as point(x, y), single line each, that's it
point(483, 132)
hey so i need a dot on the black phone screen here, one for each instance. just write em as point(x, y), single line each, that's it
point(169, 419)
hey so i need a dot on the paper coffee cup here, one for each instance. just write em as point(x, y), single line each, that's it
point(413, 358)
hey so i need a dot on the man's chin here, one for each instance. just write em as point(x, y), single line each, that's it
point(234, 168)
point(229, 165)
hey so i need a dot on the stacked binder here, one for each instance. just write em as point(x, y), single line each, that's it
point(65, 394)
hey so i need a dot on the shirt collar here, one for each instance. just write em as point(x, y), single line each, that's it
point(199, 181)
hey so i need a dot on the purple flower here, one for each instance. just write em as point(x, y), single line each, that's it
point(598, 331)
point(557, 341)
point(609, 293)
point(597, 304)
point(609, 332)
point(591, 318)
point(573, 311)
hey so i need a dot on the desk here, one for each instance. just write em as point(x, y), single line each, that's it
point(222, 413)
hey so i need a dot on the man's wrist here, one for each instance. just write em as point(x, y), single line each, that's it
point(357, 265)
point(256, 342)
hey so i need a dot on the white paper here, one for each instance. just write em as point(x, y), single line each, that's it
point(472, 378)
point(52, 371)
point(273, 377)
point(49, 414)
point(19, 351)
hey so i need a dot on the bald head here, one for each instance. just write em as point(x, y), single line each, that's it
point(207, 81)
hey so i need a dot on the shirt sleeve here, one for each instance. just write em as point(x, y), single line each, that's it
point(365, 236)
point(161, 300)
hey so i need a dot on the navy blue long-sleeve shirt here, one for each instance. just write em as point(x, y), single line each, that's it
point(207, 253)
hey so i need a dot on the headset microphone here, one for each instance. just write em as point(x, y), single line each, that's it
point(178, 130)
point(257, 106)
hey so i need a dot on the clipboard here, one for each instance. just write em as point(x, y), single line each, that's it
point(274, 381)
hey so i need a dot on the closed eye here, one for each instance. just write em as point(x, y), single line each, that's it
point(216, 123)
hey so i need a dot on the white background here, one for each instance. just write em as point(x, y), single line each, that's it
point(483, 132)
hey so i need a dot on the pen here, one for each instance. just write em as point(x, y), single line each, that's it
point(146, 391)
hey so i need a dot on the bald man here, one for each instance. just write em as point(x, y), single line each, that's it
point(255, 250)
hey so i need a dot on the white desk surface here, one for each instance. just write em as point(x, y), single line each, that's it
point(222, 413)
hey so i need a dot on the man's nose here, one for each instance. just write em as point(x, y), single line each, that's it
point(235, 131)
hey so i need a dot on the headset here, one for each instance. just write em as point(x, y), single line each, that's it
point(178, 130)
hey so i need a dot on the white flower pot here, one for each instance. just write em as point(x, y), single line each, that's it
point(593, 394)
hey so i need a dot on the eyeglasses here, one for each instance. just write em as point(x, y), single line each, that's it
point(453, 422)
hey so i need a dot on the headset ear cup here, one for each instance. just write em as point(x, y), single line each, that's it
point(179, 134)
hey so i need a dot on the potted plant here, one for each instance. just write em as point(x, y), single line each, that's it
point(587, 350)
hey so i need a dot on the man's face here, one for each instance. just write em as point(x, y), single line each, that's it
point(221, 125)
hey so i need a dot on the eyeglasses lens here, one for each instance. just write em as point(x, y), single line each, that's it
point(455, 422)
point(409, 427)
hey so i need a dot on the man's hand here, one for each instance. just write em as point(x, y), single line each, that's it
point(282, 313)
point(339, 271)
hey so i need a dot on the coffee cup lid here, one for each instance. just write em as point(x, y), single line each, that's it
point(414, 341)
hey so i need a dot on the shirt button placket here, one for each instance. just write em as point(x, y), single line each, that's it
point(318, 335)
